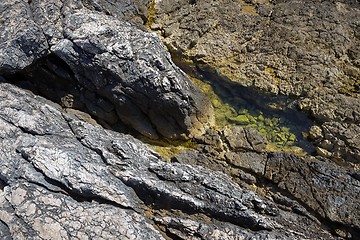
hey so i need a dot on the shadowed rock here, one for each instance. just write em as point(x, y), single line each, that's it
point(105, 58)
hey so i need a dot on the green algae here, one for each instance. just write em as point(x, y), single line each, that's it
point(273, 116)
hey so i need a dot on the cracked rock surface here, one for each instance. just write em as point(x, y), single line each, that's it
point(67, 66)
point(311, 186)
point(105, 59)
point(63, 178)
point(308, 50)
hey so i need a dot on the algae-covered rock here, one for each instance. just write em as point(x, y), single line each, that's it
point(240, 119)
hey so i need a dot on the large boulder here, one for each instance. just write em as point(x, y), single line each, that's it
point(117, 69)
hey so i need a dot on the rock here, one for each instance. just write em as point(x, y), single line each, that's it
point(91, 52)
point(64, 178)
point(244, 138)
point(253, 162)
point(135, 10)
point(4, 232)
point(204, 230)
point(329, 190)
point(294, 48)
point(323, 153)
point(342, 140)
point(19, 49)
point(40, 213)
point(315, 133)
point(322, 185)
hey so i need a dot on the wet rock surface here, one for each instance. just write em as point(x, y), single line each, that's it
point(64, 176)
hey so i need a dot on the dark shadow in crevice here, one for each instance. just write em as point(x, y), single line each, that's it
point(158, 200)
point(3, 183)
point(51, 78)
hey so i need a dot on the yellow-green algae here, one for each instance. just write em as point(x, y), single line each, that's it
point(152, 13)
point(168, 148)
point(280, 137)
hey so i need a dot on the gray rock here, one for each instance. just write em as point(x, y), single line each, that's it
point(314, 187)
point(64, 178)
point(135, 10)
point(219, 231)
point(330, 190)
point(51, 215)
point(124, 66)
point(4, 232)
point(21, 40)
point(100, 50)
point(342, 141)
point(244, 138)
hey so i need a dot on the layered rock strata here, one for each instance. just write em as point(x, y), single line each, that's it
point(63, 178)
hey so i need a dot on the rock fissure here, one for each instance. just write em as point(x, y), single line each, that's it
point(75, 194)
point(79, 138)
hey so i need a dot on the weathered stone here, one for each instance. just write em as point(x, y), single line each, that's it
point(327, 188)
point(244, 138)
point(342, 140)
point(315, 133)
point(304, 49)
point(135, 10)
point(21, 39)
point(64, 177)
point(205, 230)
point(40, 213)
point(122, 64)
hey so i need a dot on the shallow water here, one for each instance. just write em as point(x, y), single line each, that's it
point(275, 116)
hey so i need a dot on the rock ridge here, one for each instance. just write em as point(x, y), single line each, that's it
point(116, 70)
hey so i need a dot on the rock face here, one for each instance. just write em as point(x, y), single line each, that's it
point(331, 192)
point(305, 49)
point(116, 69)
point(63, 178)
